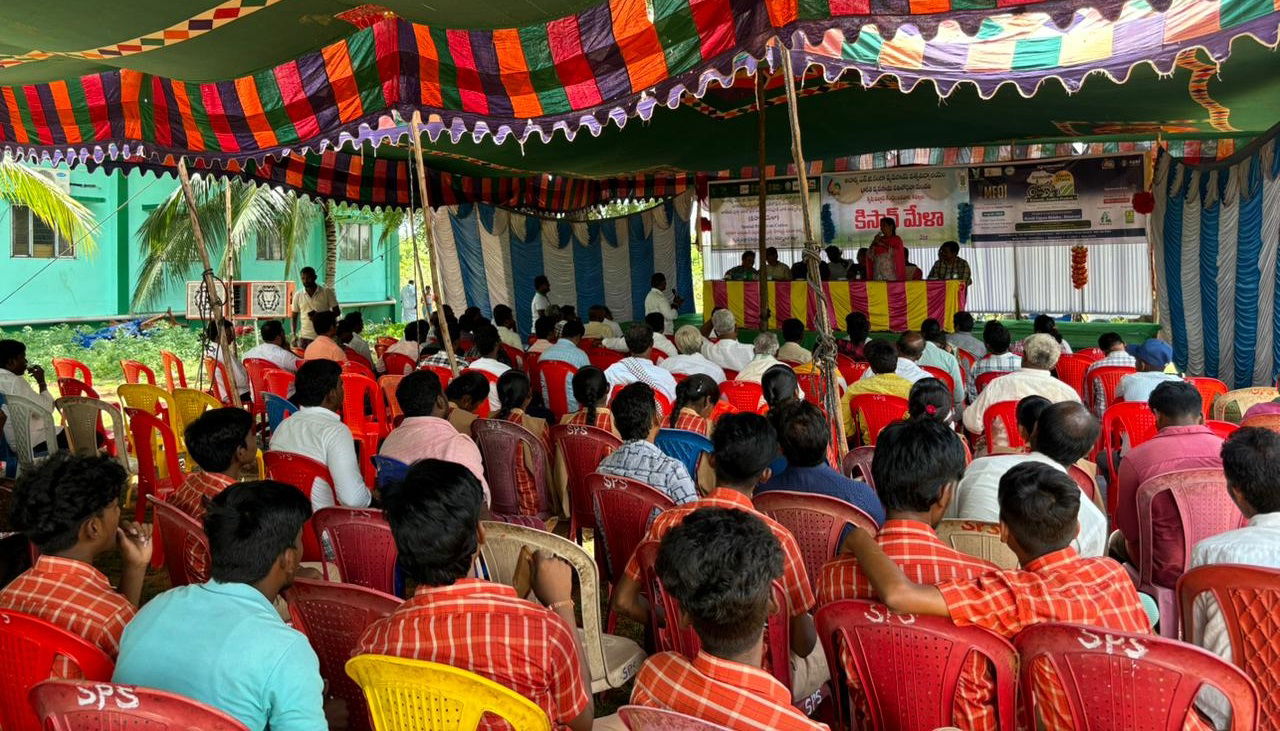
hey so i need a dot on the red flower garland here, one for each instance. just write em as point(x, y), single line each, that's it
point(1079, 266)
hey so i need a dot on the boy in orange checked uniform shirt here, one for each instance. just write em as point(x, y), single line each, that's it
point(916, 468)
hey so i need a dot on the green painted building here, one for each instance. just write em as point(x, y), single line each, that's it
point(45, 280)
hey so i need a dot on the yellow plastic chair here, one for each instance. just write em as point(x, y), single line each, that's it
point(151, 399)
point(415, 695)
point(978, 539)
point(191, 404)
point(612, 660)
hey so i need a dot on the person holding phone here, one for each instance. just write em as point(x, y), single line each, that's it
point(14, 368)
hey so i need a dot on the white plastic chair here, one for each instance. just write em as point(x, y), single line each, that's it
point(21, 410)
point(80, 416)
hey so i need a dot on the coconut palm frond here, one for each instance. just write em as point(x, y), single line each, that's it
point(22, 185)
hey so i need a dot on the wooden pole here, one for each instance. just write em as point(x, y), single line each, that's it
point(415, 128)
point(211, 286)
point(825, 352)
point(762, 181)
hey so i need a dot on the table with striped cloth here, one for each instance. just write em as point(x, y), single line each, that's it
point(891, 306)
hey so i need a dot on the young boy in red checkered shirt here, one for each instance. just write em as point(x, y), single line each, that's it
point(720, 564)
point(69, 507)
point(473, 624)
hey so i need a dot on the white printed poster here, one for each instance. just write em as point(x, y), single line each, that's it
point(925, 203)
point(735, 214)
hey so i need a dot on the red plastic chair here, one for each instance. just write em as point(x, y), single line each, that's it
point(333, 617)
point(817, 522)
point(1108, 377)
point(643, 717)
point(389, 384)
point(500, 445)
point(1005, 412)
point(744, 396)
point(1133, 420)
point(136, 371)
point(363, 547)
point(1223, 429)
point(351, 366)
point(1210, 389)
point(659, 398)
point(515, 355)
point(1093, 354)
point(851, 369)
point(532, 367)
point(878, 411)
point(76, 387)
point(556, 375)
point(30, 647)
point(856, 464)
point(399, 364)
point(1204, 509)
point(1071, 369)
point(943, 376)
point(365, 412)
point(988, 377)
point(186, 557)
point(582, 448)
point(602, 358)
point(257, 369)
point(301, 472)
point(354, 356)
point(175, 374)
point(279, 382)
point(81, 705)
point(158, 474)
point(442, 372)
point(967, 359)
point(72, 368)
point(1120, 680)
point(1244, 595)
point(492, 378)
point(908, 666)
point(219, 380)
point(622, 509)
point(814, 388)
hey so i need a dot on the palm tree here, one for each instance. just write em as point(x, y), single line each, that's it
point(21, 185)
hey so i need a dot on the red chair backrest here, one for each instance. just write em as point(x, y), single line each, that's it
point(351, 366)
point(1092, 354)
point(142, 425)
point(363, 409)
point(442, 372)
point(72, 368)
point(908, 666)
point(643, 717)
point(279, 382)
point(389, 384)
point(399, 364)
point(301, 472)
point(985, 378)
point(815, 387)
point(83, 705)
point(857, 464)
point(622, 509)
point(1121, 680)
point(1133, 419)
point(659, 399)
point(1087, 484)
point(879, 411)
point(186, 555)
point(175, 374)
point(1210, 389)
point(602, 358)
point(363, 546)
point(333, 617)
point(515, 355)
point(1204, 508)
point(354, 356)
point(816, 521)
point(1223, 429)
point(75, 387)
point(851, 369)
point(219, 380)
point(500, 445)
point(258, 368)
point(943, 376)
point(1108, 378)
point(744, 396)
point(1005, 412)
point(582, 448)
point(1071, 369)
point(556, 375)
point(967, 359)
point(135, 372)
point(1244, 594)
point(532, 367)
point(30, 647)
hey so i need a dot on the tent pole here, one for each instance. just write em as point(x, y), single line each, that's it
point(763, 198)
point(824, 353)
point(210, 285)
point(415, 127)
point(417, 260)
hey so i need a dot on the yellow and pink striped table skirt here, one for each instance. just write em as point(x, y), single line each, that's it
point(891, 306)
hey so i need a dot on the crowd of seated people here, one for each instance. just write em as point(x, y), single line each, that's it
point(732, 567)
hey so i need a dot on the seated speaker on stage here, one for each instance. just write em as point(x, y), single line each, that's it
point(746, 271)
point(950, 266)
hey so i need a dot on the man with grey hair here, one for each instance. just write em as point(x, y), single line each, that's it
point(1039, 356)
point(765, 348)
point(690, 360)
point(726, 351)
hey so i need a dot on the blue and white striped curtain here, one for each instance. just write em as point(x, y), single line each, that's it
point(1215, 230)
point(490, 256)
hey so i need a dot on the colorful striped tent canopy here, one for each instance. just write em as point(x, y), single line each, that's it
point(265, 88)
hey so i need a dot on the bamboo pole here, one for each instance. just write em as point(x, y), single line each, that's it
point(415, 128)
point(762, 181)
point(211, 285)
point(825, 351)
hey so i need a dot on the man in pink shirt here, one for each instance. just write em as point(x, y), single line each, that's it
point(1183, 443)
point(425, 433)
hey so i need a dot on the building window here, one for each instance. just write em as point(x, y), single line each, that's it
point(33, 238)
point(355, 241)
point(270, 247)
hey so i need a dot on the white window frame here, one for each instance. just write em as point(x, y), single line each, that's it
point(61, 249)
point(363, 242)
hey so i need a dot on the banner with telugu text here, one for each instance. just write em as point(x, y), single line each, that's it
point(735, 213)
point(924, 201)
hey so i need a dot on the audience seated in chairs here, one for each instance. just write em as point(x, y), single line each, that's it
point(690, 360)
point(1039, 356)
point(765, 348)
point(411, 344)
point(793, 350)
point(661, 342)
point(514, 394)
point(591, 392)
point(467, 393)
point(317, 431)
point(222, 443)
point(636, 415)
point(425, 433)
point(637, 366)
point(543, 334)
point(14, 369)
point(720, 564)
point(998, 359)
point(325, 346)
point(488, 346)
point(744, 446)
point(696, 398)
point(274, 347)
point(69, 508)
point(213, 349)
point(473, 624)
point(191, 640)
point(566, 350)
point(882, 378)
point(725, 351)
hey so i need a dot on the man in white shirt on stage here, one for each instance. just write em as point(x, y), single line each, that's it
point(657, 301)
point(541, 304)
point(273, 347)
point(638, 367)
point(727, 352)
